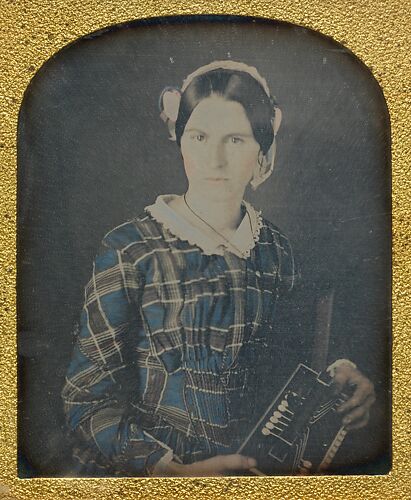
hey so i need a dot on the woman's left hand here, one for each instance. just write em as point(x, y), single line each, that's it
point(356, 409)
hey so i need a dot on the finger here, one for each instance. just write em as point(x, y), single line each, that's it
point(340, 379)
point(357, 401)
point(222, 463)
point(355, 415)
point(304, 468)
point(363, 393)
point(345, 373)
point(359, 423)
point(345, 379)
point(237, 462)
point(357, 410)
point(202, 468)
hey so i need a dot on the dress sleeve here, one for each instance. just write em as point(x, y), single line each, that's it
point(101, 376)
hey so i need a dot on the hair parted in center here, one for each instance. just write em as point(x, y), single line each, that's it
point(232, 85)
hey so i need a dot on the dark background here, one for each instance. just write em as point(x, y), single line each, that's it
point(93, 152)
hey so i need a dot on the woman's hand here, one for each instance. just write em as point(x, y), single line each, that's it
point(220, 465)
point(356, 409)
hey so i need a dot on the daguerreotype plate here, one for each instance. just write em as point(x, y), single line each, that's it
point(204, 233)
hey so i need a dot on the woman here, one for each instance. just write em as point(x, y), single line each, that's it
point(178, 324)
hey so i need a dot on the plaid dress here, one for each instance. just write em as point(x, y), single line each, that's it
point(172, 349)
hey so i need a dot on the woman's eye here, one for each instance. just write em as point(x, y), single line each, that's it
point(236, 140)
point(199, 137)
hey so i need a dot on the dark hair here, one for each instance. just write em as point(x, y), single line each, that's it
point(236, 86)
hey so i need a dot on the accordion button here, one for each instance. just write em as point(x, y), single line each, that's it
point(269, 425)
point(265, 431)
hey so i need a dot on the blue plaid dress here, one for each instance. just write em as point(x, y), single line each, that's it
point(172, 347)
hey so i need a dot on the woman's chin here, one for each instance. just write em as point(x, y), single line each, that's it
point(214, 190)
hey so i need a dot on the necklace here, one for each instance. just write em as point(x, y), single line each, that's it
point(215, 230)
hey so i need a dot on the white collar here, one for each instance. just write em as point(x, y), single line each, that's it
point(244, 238)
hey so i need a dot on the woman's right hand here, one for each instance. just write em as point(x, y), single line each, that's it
point(220, 465)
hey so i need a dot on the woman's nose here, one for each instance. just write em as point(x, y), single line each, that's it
point(217, 155)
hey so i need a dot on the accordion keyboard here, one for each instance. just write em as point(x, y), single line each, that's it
point(279, 439)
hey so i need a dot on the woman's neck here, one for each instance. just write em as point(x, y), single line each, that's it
point(223, 215)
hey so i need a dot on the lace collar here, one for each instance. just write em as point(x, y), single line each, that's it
point(244, 238)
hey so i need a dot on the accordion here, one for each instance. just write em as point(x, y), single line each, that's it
point(300, 419)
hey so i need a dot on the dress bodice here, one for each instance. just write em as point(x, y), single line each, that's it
point(183, 338)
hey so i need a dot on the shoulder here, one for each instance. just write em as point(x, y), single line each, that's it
point(137, 230)
point(270, 233)
point(275, 239)
point(131, 243)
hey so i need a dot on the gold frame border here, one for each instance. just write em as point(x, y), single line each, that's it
point(378, 33)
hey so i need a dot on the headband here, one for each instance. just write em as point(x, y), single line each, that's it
point(170, 97)
point(230, 65)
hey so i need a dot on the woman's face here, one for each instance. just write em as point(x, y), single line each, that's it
point(219, 150)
